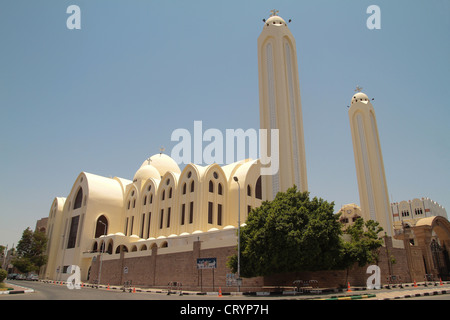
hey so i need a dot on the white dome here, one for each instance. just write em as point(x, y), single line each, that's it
point(360, 97)
point(162, 163)
point(145, 172)
point(276, 21)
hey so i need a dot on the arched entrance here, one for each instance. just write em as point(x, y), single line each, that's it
point(433, 237)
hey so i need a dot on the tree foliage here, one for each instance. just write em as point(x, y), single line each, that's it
point(296, 233)
point(364, 243)
point(290, 233)
point(31, 251)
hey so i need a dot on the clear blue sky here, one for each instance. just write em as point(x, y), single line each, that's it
point(104, 98)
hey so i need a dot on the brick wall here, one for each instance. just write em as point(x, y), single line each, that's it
point(158, 269)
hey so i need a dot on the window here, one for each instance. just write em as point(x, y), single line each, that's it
point(219, 189)
point(73, 232)
point(145, 201)
point(148, 226)
point(78, 199)
point(141, 234)
point(168, 217)
point(258, 189)
point(210, 212)
point(163, 195)
point(170, 193)
point(131, 226)
point(191, 212)
point(211, 186)
point(249, 208)
point(219, 214)
point(184, 188)
point(126, 227)
point(161, 219)
point(192, 186)
point(101, 227)
point(183, 212)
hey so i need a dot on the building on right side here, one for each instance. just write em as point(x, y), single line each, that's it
point(408, 212)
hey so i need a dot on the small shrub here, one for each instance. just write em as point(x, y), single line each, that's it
point(3, 275)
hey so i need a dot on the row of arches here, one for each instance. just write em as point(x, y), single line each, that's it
point(108, 247)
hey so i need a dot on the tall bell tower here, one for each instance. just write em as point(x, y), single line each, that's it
point(280, 105)
point(373, 191)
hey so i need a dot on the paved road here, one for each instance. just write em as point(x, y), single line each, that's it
point(47, 291)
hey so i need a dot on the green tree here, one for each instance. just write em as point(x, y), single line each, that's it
point(31, 251)
point(363, 245)
point(290, 233)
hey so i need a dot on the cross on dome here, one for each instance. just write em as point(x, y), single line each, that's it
point(274, 12)
point(358, 89)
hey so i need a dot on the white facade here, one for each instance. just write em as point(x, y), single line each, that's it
point(412, 210)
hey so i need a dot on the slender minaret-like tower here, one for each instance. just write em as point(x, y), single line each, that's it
point(373, 191)
point(280, 105)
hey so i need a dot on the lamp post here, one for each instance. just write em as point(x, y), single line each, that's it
point(239, 234)
point(101, 260)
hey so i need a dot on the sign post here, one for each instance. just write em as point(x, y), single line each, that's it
point(206, 263)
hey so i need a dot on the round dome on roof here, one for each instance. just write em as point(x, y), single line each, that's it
point(275, 20)
point(162, 163)
point(360, 97)
point(145, 172)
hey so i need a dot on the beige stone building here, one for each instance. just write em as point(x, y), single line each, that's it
point(162, 207)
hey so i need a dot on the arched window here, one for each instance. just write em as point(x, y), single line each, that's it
point(163, 195)
point(170, 193)
point(78, 199)
point(184, 188)
point(258, 189)
point(249, 190)
point(110, 248)
point(192, 186)
point(219, 189)
point(211, 186)
point(102, 226)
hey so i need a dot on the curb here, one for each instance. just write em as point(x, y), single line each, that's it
point(13, 291)
point(354, 297)
point(421, 294)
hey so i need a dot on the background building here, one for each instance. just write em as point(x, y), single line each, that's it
point(410, 211)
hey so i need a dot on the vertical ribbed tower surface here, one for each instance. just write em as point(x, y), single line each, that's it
point(280, 105)
point(372, 186)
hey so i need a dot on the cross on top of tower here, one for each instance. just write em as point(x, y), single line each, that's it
point(274, 12)
point(358, 89)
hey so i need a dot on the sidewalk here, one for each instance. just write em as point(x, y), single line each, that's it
point(16, 289)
